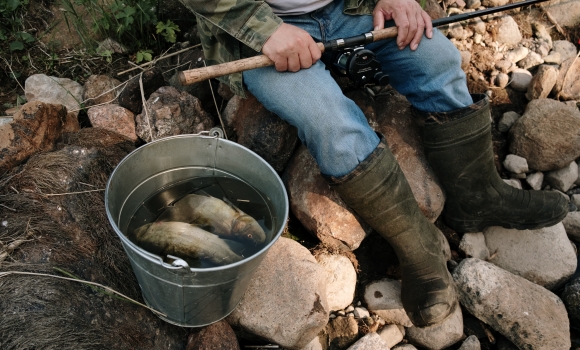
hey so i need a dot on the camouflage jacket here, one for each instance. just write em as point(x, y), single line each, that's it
point(233, 29)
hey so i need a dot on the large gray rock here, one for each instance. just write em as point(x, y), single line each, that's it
point(63, 91)
point(542, 82)
point(565, 12)
point(547, 135)
point(565, 48)
point(543, 256)
point(171, 112)
point(319, 208)
point(567, 86)
point(439, 336)
point(261, 131)
point(384, 299)
point(508, 31)
point(286, 299)
point(402, 132)
point(529, 315)
point(341, 280)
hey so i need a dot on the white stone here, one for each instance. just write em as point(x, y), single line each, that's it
point(384, 299)
point(533, 59)
point(315, 344)
point(391, 334)
point(59, 91)
point(515, 164)
point(535, 180)
point(572, 225)
point(508, 31)
point(543, 256)
point(517, 54)
point(529, 315)
point(361, 312)
point(507, 121)
point(438, 336)
point(471, 343)
point(521, 79)
point(563, 179)
point(341, 280)
point(513, 183)
point(371, 341)
point(473, 245)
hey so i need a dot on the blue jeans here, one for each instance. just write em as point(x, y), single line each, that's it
point(333, 128)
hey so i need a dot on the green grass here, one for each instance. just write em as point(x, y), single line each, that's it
point(132, 23)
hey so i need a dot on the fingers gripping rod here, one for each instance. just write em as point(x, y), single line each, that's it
point(193, 76)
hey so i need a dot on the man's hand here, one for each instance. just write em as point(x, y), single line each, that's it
point(291, 48)
point(409, 17)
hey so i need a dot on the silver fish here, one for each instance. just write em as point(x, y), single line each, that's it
point(216, 216)
point(184, 241)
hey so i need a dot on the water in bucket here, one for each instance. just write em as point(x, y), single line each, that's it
point(229, 192)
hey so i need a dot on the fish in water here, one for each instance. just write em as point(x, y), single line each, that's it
point(216, 216)
point(184, 241)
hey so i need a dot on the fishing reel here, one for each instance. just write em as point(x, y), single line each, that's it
point(359, 65)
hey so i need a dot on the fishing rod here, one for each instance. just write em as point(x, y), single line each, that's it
point(350, 59)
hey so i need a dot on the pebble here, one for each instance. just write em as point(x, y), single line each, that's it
point(515, 164)
point(521, 79)
point(553, 58)
point(517, 54)
point(507, 120)
point(473, 246)
point(350, 308)
point(535, 180)
point(361, 312)
point(563, 179)
point(392, 334)
point(513, 183)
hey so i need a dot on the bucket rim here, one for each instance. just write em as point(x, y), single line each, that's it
point(157, 259)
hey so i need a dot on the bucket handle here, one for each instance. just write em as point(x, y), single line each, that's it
point(216, 132)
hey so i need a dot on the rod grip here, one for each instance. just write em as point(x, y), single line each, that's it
point(193, 76)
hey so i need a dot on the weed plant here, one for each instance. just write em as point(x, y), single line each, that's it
point(133, 23)
point(11, 27)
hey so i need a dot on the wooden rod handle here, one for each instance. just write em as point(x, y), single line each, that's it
point(193, 76)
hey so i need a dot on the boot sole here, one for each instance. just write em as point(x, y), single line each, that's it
point(463, 226)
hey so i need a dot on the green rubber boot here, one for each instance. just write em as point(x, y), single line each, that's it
point(459, 148)
point(378, 191)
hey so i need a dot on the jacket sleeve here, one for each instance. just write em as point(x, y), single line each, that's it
point(251, 22)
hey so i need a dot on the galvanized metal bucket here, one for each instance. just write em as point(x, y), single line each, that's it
point(190, 297)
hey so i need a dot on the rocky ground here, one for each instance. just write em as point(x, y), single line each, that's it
point(329, 282)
